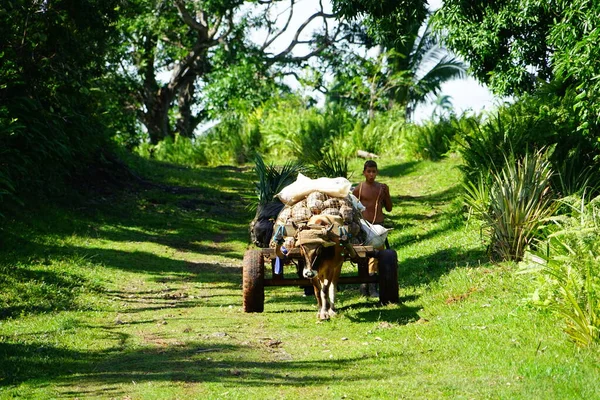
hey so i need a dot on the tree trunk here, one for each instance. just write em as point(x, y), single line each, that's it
point(185, 126)
point(156, 118)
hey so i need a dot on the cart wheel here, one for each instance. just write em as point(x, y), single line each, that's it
point(388, 277)
point(253, 281)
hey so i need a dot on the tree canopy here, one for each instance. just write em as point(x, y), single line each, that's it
point(203, 48)
point(516, 46)
point(408, 70)
point(52, 60)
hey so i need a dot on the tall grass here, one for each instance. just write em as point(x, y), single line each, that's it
point(380, 135)
point(570, 266)
point(329, 163)
point(516, 206)
point(322, 139)
point(430, 141)
point(180, 150)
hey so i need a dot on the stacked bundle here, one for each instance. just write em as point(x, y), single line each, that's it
point(294, 216)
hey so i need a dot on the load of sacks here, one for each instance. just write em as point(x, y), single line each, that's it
point(324, 196)
point(296, 215)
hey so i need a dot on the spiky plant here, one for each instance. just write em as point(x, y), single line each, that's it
point(576, 174)
point(518, 204)
point(430, 141)
point(332, 164)
point(272, 179)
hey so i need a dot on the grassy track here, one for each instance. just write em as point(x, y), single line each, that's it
point(136, 294)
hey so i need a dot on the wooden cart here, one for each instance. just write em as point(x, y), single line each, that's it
point(255, 279)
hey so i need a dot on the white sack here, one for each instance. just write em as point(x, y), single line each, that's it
point(376, 234)
point(356, 203)
point(335, 187)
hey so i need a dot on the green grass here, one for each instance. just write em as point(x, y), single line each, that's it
point(136, 293)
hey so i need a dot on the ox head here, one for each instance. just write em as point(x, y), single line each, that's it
point(317, 241)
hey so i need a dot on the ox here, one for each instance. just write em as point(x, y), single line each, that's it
point(323, 254)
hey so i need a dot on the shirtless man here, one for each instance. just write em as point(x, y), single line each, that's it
point(374, 196)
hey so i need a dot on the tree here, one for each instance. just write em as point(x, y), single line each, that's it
point(442, 106)
point(387, 22)
point(52, 59)
point(406, 74)
point(505, 42)
point(191, 42)
point(427, 64)
point(363, 85)
point(518, 46)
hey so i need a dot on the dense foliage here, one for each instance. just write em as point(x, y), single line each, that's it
point(515, 46)
point(528, 125)
point(570, 269)
point(52, 61)
point(515, 206)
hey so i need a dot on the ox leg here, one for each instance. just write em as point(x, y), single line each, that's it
point(318, 294)
point(324, 301)
point(332, 294)
point(333, 282)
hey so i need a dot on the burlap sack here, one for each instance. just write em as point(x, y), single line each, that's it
point(314, 202)
point(300, 212)
point(347, 213)
point(334, 202)
point(330, 211)
point(314, 237)
point(284, 216)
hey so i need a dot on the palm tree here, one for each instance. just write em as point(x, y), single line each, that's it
point(408, 69)
point(442, 106)
point(426, 62)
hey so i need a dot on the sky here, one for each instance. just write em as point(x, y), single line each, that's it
point(466, 94)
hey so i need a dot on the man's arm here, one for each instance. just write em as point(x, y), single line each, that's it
point(387, 200)
point(356, 189)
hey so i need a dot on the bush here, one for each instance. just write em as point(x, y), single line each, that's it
point(516, 206)
point(532, 123)
point(382, 134)
point(570, 270)
point(52, 121)
point(430, 141)
point(272, 179)
point(180, 150)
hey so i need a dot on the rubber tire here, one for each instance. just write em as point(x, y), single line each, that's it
point(388, 277)
point(253, 276)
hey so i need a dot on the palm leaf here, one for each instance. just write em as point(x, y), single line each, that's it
point(272, 179)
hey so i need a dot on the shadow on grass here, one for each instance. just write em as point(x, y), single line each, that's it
point(441, 197)
point(398, 169)
point(102, 373)
point(38, 291)
point(422, 270)
point(34, 287)
point(211, 207)
point(401, 314)
point(162, 269)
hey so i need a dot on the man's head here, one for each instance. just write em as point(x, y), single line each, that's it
point(370, 170)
